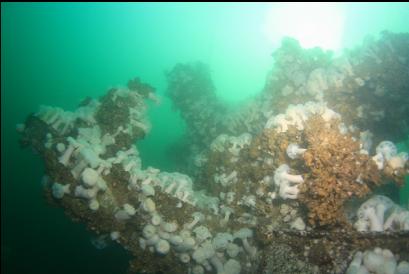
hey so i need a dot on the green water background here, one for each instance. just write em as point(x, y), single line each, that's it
point(56, 54)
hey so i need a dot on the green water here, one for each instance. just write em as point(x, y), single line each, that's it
point(57, 54)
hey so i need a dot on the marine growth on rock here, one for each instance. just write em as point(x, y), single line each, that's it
point(289, 176)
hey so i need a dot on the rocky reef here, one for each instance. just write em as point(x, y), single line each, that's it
point(288, 182)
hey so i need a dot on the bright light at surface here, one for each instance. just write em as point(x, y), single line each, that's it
point(313, 24)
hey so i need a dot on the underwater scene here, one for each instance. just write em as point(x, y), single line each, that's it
point(205, 138)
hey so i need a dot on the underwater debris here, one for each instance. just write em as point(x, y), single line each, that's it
point(268, 182)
